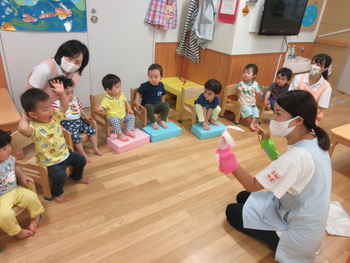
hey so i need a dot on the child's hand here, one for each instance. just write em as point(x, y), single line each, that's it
point(130, 111)
point(264, 134)
point(100, 109)
point(26, 180)
point(267, 103)
point(57, 87)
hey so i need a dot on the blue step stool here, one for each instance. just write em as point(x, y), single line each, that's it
point(214, 131)
point(161, 133)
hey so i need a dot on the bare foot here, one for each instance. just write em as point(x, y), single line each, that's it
point(61, 198)
point(253, 126)
point(155, 126)
point(97, 151)
point(83, 181)
point(163, 124)
point(88, 160)
point(23, 234)
point(214, 122)
point(205, 126)
point(122, 137)
point(34, 224)
point(130, 133)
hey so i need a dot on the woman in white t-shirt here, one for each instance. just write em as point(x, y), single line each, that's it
point(286, 204)
point(70, 60)
point(316, 82)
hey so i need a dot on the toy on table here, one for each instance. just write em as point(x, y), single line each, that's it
point(228, 162)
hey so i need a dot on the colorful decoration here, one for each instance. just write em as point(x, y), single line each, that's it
point(312, 13)
point(43, 15)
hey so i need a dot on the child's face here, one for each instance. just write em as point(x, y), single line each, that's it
point(154, 77)
point(69, 93)
point(209, 94)
point(115, 90)
point(5, 152)
point(248, 75)
point(43, 112)
point(281, 81)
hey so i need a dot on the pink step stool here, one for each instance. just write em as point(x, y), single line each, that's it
point(118, 146)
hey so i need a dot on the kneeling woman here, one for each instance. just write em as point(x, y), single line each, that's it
point(291, 216)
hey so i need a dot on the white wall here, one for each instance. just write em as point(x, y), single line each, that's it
point(223, 38)
point(252, 43)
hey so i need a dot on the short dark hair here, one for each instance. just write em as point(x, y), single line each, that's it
point(32, 97)
point(157, 67)
point(303, 104)
point(67, 83)
point(253, 67)
point(5, 138)
point(109, 81)
point(71, 49)
point(213, 85)
point(285, 72)
point(324, 60)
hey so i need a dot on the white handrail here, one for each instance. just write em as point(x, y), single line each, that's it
point(335, 33)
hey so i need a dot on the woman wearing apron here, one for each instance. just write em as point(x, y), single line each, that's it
point(70, 60)
point(286, 204)
point(316, 82)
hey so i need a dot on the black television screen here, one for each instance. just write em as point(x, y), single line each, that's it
point(282, 17)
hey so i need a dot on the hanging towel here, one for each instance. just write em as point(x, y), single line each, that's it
point(162, 14)
point(189, 43)
point(205, 21)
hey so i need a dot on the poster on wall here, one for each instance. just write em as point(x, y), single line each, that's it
point(311, 16)
point(43, 15)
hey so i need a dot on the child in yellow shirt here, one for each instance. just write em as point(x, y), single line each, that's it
point(50, 146)
point(13, 195)
point(117, 108)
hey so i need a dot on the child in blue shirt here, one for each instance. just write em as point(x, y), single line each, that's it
point(152, 97)
point(207, 105)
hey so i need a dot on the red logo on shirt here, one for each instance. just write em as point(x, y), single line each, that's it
point(273, 176)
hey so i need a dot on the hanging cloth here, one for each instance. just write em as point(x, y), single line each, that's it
point(162, 14)
point(189, 44)
point(205, 21)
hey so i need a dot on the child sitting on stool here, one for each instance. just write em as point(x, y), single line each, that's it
point(117, 108)
point(246, 92)
point(11, 194)
point(152, 97)
point(278, 88)
point(207, 105)
point(75, 122)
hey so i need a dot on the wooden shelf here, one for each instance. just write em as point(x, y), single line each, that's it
point(9, 114)
point(332, 42)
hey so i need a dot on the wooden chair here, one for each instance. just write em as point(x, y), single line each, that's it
point(340, 135)
point(84, 136)
point(230, 103)
point(189, 95)
point(29, 164)
point(98, 117)
point(140, 112)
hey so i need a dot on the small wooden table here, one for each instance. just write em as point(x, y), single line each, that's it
point(340, 135)
point(175, 85)
point(9, 115)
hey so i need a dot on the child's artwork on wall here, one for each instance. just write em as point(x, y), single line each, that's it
point(43, 15)
point(311, 15)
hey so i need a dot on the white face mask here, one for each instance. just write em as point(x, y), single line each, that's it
point(67, 66)
point(315, 70)
point(280, 128)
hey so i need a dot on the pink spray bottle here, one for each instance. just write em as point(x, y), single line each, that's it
point(228, 162)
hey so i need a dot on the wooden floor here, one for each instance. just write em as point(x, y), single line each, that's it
point(165, 202)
